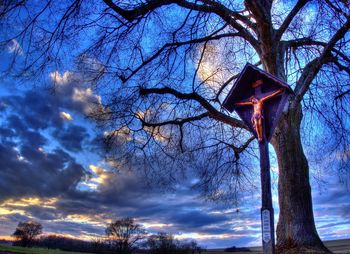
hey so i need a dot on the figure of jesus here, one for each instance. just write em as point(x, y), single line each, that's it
point(258, 105)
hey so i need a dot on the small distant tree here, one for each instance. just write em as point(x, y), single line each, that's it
point(161, 243)
point(124, 234)
point(97, 244)
point(26, 232)
point(164, 243)
point(193, 248)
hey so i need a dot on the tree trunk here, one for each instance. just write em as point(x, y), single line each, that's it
point(296, 231)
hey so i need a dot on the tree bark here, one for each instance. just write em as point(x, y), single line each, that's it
point(296, 231)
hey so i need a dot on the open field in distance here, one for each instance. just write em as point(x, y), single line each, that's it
point(14, 249)
point(336, 246)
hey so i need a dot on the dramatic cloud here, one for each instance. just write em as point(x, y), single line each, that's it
point(51, 171)
point(27, 171)
point(71, 137)
point(44, 178)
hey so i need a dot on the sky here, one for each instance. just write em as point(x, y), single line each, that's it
point(52, 170)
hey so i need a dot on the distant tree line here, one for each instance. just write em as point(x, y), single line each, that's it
point(123, 236)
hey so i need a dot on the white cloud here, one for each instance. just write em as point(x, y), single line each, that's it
point(211, 70)
point(66, 116)
point(59, 79)
point(92, 103)
point(73, 93)
point(123, 134)
point(83, 95)
point(99, 178)
point(14, 47)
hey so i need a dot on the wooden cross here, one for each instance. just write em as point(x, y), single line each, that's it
point(257, 101)
point(261, 118)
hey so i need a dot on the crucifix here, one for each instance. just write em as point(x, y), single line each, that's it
point(258, 107)
point(267, 97)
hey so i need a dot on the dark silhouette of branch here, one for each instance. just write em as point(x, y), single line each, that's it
point(176, 45)
point(342, 94)
point(298, 6)
point(229, 16)
point(176, 121)
point(313, 67)
point(212, 111)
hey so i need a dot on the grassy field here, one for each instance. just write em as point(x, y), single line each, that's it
point(336, 246)
point(15, 249)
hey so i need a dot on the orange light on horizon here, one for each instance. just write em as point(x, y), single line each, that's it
point(6, 238)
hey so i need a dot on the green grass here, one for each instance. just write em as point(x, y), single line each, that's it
point(15, 249)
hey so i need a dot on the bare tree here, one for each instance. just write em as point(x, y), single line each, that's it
point(26, 232)
point(165, 66)
point(164, 243)
point(161, 243)
point(124, 234)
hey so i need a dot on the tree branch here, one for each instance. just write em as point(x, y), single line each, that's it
point(312, 68)
point(261, 10)
point(226, 14)
point(339, 96)
point(210, 37)
point(140, 10)
point(212, 111)
point(311, 42)
point(306, 41)
point(299, 5)
point(177, 121)
point(240, 149)
point(341, 67)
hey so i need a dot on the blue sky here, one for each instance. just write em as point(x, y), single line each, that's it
point(53, 171)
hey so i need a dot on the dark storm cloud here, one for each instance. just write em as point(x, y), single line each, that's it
point(42, 213)
point(333, 200)
point(237, 241)
point(335, 224)
point(74, 228)
point(26, 117)
point(198, 219)
point(14, 217)
point(16, 124)
point(125, 195)
point(222, 229)
point(345, 210)
point(34, 110)
point(71, 137)
point(122, 194)
point(34, 173)
point(6, 133)
point(9, 221)
point(26, 168)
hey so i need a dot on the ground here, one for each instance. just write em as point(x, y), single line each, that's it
point(5, 249)
point(336, 246)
